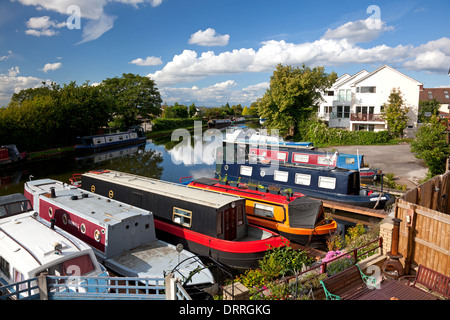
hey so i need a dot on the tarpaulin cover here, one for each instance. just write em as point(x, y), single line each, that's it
point(304, 212)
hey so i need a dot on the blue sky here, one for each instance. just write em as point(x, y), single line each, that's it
point(211, 52)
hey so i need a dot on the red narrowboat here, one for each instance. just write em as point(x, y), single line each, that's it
point(205, 222)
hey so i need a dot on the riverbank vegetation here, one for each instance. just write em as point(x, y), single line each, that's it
point(53, 116)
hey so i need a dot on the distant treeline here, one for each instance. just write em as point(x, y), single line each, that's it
point(53, 115)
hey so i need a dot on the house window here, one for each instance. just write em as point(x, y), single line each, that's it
point(303, 179)
point(263, 210)
point(181, 216)
point(343, 112)
point(280, 176)
point(327, 182)
point(330, 93)
point(446, 95)
point(328, 109)
point(368, 89)
point(349, 95)
point(430, 95)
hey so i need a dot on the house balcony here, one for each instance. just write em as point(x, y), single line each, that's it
point(366, 117)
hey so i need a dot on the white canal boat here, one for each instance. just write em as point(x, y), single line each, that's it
point(29, 247)
point(122, 236)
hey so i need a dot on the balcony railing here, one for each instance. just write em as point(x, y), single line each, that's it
point(366, 117)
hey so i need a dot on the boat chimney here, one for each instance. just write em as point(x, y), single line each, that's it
point(52, 192)
point(52, 223)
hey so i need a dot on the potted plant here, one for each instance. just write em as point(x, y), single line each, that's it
point(287, 193)
point(223, 180)
point(252, 185)
point(262, 188)
point(273, 189)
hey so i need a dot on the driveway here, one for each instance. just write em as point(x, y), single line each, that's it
point(396, 159)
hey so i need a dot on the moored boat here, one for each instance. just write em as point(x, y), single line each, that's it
point(295, 216)
point(219, 123)
point(28, 248)
point(123, 236)
point(205, 222)
point(13, 204)
point(10, 156)
point(102, 142)
point(321, 182)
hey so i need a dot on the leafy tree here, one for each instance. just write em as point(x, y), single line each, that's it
point(192, 110)
point(395, 113)
point(133, 96)
point(430, 145)
point(294, 94)
point(428, 106)
point(176, 111)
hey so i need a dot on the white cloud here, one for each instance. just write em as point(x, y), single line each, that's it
point(51, 66)
point(358, 31)
point(149, 61)
point(214, 95)
point(43, 26)
point(11, 83)
point(92, 10)
point(94, 29)
point(6, 57)
point(209, 37)
point(14, 71)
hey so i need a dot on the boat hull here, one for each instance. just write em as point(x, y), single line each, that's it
point(235, 254)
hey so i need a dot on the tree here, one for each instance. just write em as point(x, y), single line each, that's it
point(133, 96)
point(395, 113)
point(430, 145)
point(428, 108)
point(294, 95)
point(192, 110)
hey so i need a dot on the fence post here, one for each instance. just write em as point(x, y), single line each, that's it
point(43, 288)
point(171, 289)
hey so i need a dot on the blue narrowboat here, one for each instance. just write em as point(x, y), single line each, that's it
point(321, 182)
point(102, 142)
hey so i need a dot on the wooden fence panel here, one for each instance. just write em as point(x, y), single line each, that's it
point(426, 240)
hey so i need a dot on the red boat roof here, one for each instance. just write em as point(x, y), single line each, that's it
point(213, 184)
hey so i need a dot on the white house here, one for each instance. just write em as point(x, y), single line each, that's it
point(356, 102)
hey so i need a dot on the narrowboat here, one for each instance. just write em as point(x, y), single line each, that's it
point(122, 236)
point(205, 222)
point(294, 216)
point(13, 204)
point(102, 142)
point(10, 156)
point(260, 137)
point(272, 148)
point(219, 123)
point(28, 247)
point(321, 182)
point(237, 120)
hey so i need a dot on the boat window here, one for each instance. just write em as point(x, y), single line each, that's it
point(219, 223)
point(182, 217)
point(77, 266)
point(298, 157)
point(350, 160)
point(18, 277)
point(263, 210)
point(326, 160)
point(246, 171)
point(303, 179)
point(280, 176)
point(4, 267)
point(327, 182)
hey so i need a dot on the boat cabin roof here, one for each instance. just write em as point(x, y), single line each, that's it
point(166, 188)
point(91, 206)
point(32, 244)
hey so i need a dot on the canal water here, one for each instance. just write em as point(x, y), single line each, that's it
point(170, 158)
